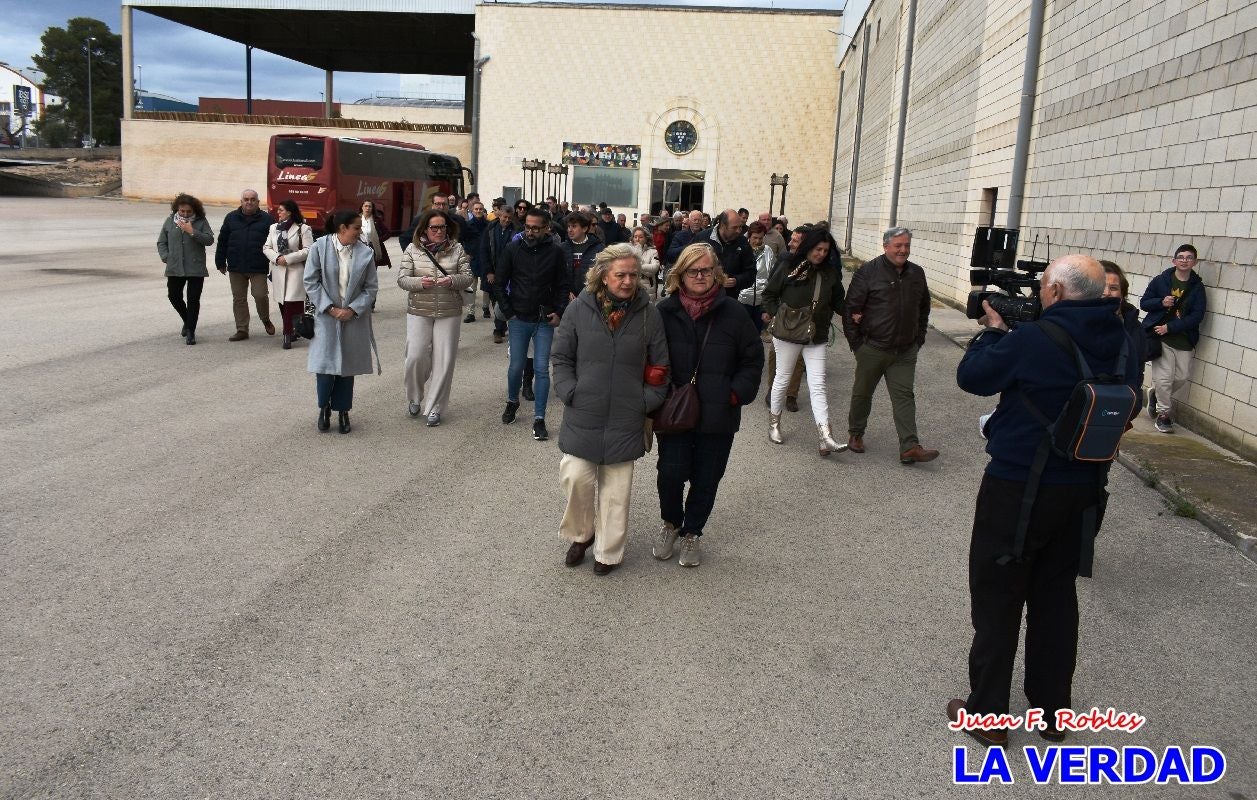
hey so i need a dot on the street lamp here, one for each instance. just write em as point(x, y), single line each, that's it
point(139, 87)
point(91, 138)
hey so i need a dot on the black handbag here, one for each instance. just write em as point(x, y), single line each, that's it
point(1152, 345)
point(681, 408)
point(305, 325)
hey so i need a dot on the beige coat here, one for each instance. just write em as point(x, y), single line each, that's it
point(438, 301)
point(287, 279)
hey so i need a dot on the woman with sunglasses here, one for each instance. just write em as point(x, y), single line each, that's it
point(435, 270)
point(711, 342)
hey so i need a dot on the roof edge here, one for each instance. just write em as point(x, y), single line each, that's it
point(806, 12)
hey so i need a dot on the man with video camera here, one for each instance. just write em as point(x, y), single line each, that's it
point(1030, 556)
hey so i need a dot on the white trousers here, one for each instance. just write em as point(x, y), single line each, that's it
point(814, 363)
point(1169, 375)
point(476, 294)
point(600, 491)
point(431, 349)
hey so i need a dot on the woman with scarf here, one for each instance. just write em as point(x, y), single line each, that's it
point(610, 366)
point(286, 247)
point(640, 240)
point(435, 270)
point(804, 279)
point(341, 283)
point(181, 246)
point(712, 343)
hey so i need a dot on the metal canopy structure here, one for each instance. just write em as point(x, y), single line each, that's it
point(340, 40)
point(424, 37)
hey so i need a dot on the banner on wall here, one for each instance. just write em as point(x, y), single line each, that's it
point(584, 154)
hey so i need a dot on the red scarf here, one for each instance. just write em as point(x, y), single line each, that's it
point(698, 305)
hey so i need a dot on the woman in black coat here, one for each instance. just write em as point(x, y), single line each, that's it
point(726, 370)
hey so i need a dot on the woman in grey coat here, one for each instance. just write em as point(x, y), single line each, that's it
point(609, 365)
point(181, 244)
point(341, 284)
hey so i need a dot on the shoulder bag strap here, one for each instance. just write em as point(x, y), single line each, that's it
point(816, 293)
point(698, 361)
point(434, 261)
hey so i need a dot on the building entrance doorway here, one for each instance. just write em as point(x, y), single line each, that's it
point(674, 189)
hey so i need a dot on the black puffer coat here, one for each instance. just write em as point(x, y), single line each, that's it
point(598, 375)
point(732, 362)
point(240, 242)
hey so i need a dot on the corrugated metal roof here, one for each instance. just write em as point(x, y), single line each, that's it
point(389, 6)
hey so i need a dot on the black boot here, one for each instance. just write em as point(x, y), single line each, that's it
point(344, 422)
point(325, 418)
point(526, 389)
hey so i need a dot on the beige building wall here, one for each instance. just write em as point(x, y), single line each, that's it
point(216, 160)
point(1142, 140)
point(758, 86)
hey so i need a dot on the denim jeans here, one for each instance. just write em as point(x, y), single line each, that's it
point(699, 459)
point(541, 334)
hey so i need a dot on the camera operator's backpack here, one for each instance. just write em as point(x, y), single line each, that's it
point(1089, 428)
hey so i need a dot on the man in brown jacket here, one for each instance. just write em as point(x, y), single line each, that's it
point(888, 308)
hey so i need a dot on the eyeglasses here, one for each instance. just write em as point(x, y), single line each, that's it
point(699, 273)
point(436, 227)
point(535, 228)
point(1184, 258)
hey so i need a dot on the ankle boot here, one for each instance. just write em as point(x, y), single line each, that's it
point(344, 421)
point(828, 445)
point(774, 429)
point(325, 418)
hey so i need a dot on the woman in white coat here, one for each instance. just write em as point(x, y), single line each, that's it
point(435, 270)
point(641, 241)
point(341, 283)
point(286, 247)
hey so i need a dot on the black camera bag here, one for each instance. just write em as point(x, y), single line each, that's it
point(1089, 428)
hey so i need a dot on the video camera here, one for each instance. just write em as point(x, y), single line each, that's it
point(994, 263)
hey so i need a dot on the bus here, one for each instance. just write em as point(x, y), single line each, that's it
point(323, 174)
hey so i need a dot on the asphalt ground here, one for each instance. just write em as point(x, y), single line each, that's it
point(204, 597)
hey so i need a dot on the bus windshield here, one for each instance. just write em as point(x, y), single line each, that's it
point(293, 152)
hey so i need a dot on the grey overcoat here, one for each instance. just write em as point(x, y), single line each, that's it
point(597, 375)
point(184, 255)
point(341, 348)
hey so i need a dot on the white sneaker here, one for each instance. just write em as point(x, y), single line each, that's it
point(664, 542)
point(691, 551)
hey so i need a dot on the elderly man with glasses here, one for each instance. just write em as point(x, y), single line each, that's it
point(239, 255)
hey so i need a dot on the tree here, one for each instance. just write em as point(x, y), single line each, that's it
point(63, 61)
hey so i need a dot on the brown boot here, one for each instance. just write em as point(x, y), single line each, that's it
point(238, 336)
point(917, 455)
point(855, 443)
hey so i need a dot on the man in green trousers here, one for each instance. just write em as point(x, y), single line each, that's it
point(888, 308)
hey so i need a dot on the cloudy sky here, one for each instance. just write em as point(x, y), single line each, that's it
point(188, 64)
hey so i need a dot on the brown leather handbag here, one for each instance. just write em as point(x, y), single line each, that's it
point(680, 410)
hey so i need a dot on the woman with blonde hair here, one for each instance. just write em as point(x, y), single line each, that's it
point(712, 343)
point(641, 241)
point(610, 368)
point(435, 270)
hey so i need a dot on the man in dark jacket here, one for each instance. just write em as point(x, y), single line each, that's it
point(532, 289)
point(1027, 365)
point(579, 249)
point(888, 308)
point(472, 230)
point(690, 229)
point(734, 251)
point(1175, 302)
point(611, 231)
point(493, 244)
point(239, 255)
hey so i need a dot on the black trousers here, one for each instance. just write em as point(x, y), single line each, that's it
point(335, 389)
point(700, 459)
point(190, 311)
point(1042, 582)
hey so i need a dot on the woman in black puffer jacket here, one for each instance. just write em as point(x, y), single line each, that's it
point(726, 371)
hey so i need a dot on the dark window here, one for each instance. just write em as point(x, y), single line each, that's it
point(394, 163)
point(299, 153)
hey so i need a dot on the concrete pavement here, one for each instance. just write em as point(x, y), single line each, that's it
point(205, 597)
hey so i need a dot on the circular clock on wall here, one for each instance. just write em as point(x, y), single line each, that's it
point(681, 137)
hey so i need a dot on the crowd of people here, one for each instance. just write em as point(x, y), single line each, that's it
point(599, 308)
